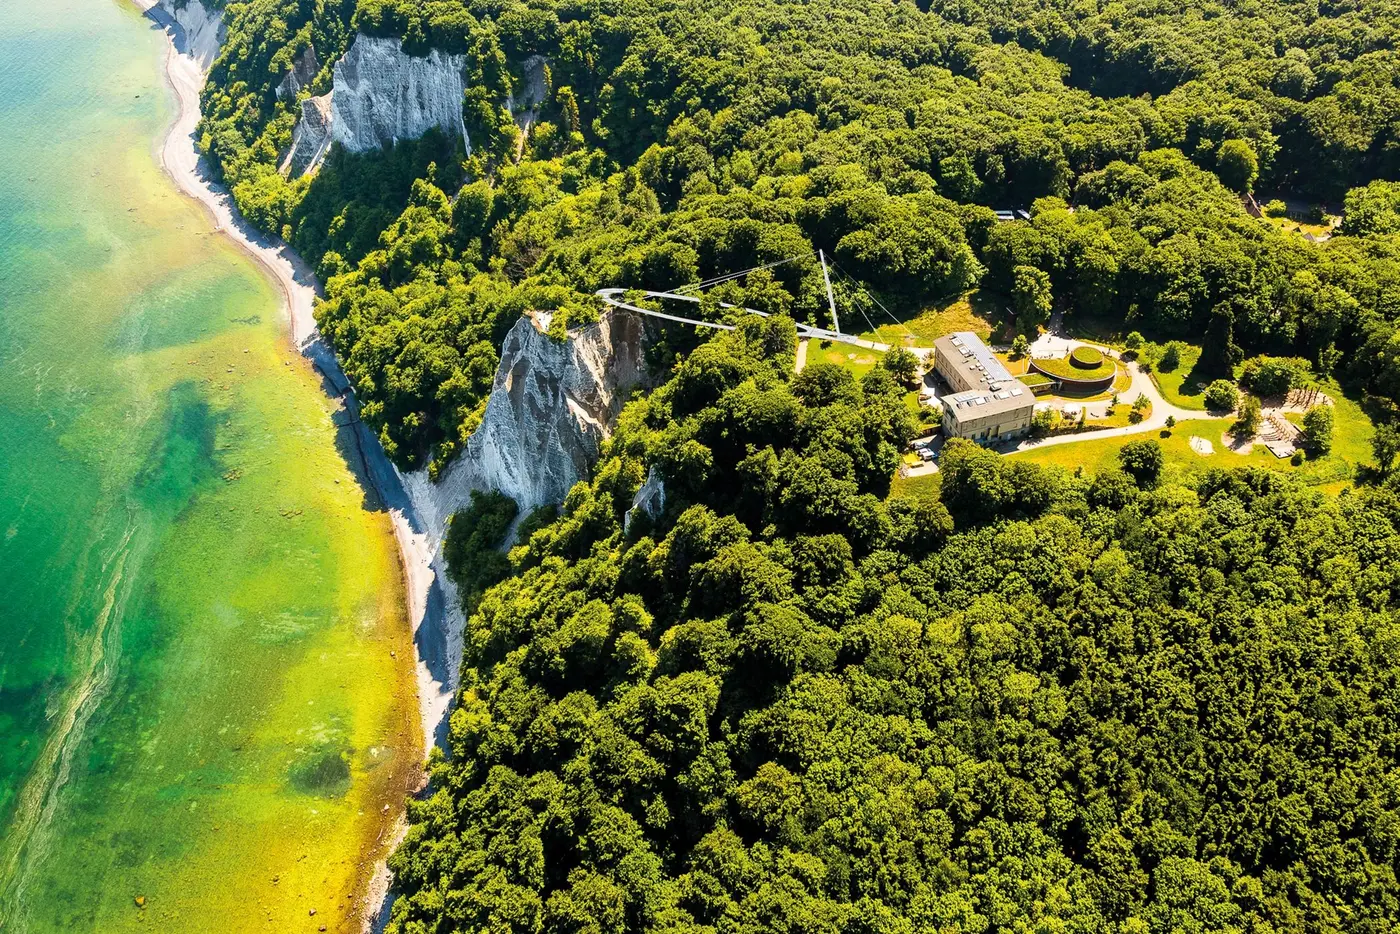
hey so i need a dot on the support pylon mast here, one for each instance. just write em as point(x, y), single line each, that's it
point(831, 298)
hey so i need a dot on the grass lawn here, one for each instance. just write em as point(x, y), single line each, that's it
point(1351, 430)
point(1121, 384)
point(1036, 379)
point(1061, 366)
point(976, 311)
point(1017, 367)
point(1351, 446)
point(917, 488)
point(1180, 386)
point(1122, 417)
point(1288, 225)
point(927, 422)
point(859, 360)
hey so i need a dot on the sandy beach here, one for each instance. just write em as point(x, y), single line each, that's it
point(433, 607)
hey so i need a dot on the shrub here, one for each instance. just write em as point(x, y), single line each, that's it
point(472, 545)
point(1317, 423)
point(1171, 356)
point(1086, 358)
point(1276, 208)
point(1251, 414)
point(1148, 355)
point(1385, 446)
point(1044, 422)
point(1020, 346)
point(1133, 341)
point(1030, 296)
point(1274, 376)
point(1237, 164)
point(1222, 396)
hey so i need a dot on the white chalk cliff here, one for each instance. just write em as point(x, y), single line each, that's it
point(203, 28)
point(553, 404)
point(380, 94)
point(650, 500)
point(525, 103)
point(383, 94)
point(311, 138)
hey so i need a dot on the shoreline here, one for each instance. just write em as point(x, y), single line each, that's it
point(431, 600)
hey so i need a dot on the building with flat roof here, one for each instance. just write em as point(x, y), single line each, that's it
point(965, 363)
point(987, 403)
point(986, 415)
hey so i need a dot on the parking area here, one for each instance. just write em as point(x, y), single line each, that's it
point(928, 449)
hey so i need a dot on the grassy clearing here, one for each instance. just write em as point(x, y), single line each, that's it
point(1351, 431)
point(1295, 221)
point(917, 488)
point(975, 311)
point(1351, 447)
point(1301, 228)
point(859, 360)
point(1184, 386)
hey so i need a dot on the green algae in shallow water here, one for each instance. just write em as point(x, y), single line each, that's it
point(198, 685)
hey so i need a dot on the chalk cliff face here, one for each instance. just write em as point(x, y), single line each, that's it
point(302, 73)
point(312, 136)
point(203, 28)
point(553, 404)
point(525, 102)
point(650, 500)
point(383, 94)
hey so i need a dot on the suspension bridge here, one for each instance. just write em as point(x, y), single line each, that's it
point(616, 298)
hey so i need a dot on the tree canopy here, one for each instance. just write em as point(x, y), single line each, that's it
point(1036, 702)
point(684, 140)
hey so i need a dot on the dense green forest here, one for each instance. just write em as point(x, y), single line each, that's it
point(687, 139)
point(1036, 703)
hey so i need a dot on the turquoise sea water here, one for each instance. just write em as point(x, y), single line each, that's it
point(205, 691)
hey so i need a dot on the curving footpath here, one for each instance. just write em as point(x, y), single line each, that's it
point(1142, 384)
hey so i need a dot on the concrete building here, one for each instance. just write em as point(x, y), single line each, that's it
point(986, 403)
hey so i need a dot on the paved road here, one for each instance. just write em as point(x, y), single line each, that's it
point(1052, 345)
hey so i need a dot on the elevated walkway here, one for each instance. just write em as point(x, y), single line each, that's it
point(614, 297)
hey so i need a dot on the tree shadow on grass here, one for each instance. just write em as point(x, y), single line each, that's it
point(1194, 383)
